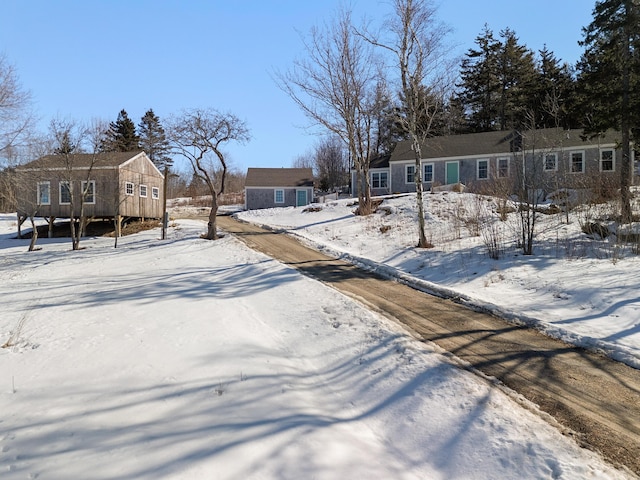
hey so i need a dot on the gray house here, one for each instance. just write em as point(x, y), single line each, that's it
point(278, 187)
point(558, 158)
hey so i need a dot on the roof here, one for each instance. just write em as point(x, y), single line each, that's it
point(279, 177)
point(492, 143)
point(81, 160)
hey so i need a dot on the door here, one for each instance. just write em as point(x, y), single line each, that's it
point(453, 172)
point(301, 198)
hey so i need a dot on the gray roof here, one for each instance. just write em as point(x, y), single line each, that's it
point(491, 143)
point(81, 160)
point(279, 177)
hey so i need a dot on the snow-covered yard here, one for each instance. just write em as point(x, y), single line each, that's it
point(185, 358)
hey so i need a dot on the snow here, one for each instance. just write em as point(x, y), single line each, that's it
point(185, 358)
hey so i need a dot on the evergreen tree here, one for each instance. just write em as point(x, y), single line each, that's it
point(554, 92)
point(153, 140)
point(121, 135)
point(609, 78)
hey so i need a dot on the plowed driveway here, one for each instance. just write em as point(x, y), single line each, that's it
point(594, 397)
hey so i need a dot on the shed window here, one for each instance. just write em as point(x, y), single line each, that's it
point(483, 169)
point(550, 162)
point(128, 188)
point(503, 167)
point(577, 162)
point(428, 172)
point(379, 180)
point(44, 193)
point(279, 196)
point(155, 193)
point(65, 193)
point(607, 158)
point(143, 191)
point(410, 174)
point(89, 191)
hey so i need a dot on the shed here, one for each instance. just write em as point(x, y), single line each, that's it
point(116, 185)
point(278, 187)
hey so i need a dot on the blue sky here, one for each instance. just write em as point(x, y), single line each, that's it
point(84, 59)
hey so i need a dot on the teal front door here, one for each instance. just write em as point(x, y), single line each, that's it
point(301, 198)
point(453, 172)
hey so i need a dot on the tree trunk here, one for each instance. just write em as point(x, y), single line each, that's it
point(212, 233)
point(34, 235)
point(422, 238)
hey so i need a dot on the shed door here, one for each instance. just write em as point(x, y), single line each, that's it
point(301, 198)
point(453, 173)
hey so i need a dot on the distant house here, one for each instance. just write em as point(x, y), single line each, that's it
point(119, 185)
point(560, 158)
point(278, 187)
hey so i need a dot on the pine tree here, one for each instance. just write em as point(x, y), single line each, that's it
point(554, 92)
point(609, 78)
point(153, 140)
point(121, 135)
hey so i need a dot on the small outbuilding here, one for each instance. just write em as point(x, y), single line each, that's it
point(278, 187)
point(110, 185)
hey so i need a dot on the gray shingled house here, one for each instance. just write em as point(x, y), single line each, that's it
point(118, 185)
point(561, 158)
point(278, 187)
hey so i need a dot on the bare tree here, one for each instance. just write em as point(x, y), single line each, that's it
point(335, 86)
point(416, 44)
point(15, 106)
point(199, 135)
point(331, 163)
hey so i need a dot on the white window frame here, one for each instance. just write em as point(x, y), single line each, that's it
point(379, 175)
point(68, 185)
point(571, 154)
point(613, 159)
point(276, 192)
point(155, 193)
point(143, 191)
point(90, 197)
point(40, 192)
point(478, 162)
point(555, 162)
point(406, 174)
point(508, 172)
point(427, 178)
point(129, 188)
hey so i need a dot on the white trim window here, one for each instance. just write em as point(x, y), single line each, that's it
point(65, 193)
point(427, 172)
point(503, 167)
point(89, 191)
point(44, 193)
point(410, 174)
point(379, 180)
point(278, 195)
point(143, 191)
point(607, 160)
point(155, 193)
point(129, 188)
point(576, 162)
point(550, 162)
point(482, 169)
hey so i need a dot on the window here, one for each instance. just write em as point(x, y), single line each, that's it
point(89, 191)
point(279, 196)
point(410, 174)
point(577, 162)
point(503, 167)
point(607, 159)
point(65, 193)
point(550, 162)
point(44, 193)
point(428, 172)
point(143, 191)
point(128, 188)
point(483, 169)
point(155, 193)
point(379, 180)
